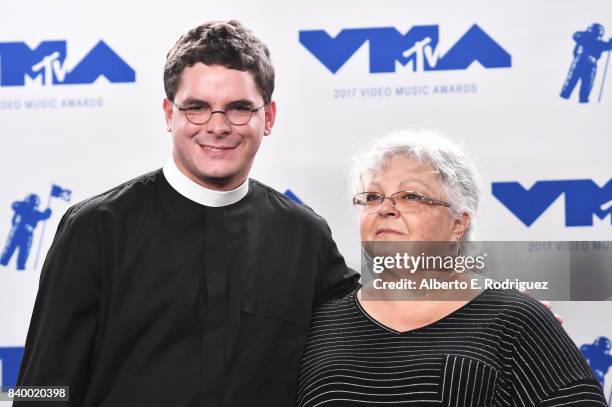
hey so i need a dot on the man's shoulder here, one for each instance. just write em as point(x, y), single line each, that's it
point(285, 207)
point(118, 198)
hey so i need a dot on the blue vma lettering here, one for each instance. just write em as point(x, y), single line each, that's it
point(289, 194)
point(418, 47)
point(11, 360)
point(46, 62)
point(583, 199)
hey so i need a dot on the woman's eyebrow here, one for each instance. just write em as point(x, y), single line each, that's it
point(414, 180)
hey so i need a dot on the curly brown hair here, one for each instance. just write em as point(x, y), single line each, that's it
point(226, 43)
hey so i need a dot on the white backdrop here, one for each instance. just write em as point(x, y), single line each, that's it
point(512, 119)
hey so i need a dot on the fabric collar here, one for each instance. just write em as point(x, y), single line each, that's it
point(197, 193)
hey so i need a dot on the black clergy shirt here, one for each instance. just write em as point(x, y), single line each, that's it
point(148, 298)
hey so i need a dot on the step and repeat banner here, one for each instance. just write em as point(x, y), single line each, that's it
point(524, 86)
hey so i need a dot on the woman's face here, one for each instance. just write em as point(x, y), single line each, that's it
point(426, 223)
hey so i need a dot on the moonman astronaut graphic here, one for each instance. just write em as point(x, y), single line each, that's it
point(24, 222)
point(588, 50)
point(599, 357)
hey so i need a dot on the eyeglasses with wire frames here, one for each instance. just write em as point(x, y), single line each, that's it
point(403, 201)
point(235, 114)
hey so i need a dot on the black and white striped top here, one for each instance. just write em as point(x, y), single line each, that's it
point(501, 349)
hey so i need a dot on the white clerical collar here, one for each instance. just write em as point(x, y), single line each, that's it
point(197, 193)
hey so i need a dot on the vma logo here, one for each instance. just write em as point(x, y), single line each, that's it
point(589, 48)
point(26, 218)
point(289, 194)
point(10, 360)
point(583, 199)
point(599, 356)
point(45, 64)
point(418, 47)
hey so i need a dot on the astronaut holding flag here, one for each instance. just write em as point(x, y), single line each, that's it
point(56, 192)
point(588, 50)
point(25, 220)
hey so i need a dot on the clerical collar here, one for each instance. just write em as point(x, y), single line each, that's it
point(197, 193)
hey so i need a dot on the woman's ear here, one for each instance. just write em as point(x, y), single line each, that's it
point(461, 226)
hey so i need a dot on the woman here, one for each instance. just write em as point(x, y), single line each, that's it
point(499, 348)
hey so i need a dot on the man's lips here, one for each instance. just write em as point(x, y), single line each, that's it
point(216, 149)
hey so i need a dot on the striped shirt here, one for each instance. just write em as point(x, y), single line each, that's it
point(501, 349)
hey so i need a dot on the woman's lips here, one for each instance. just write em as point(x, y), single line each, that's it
point(387, 230)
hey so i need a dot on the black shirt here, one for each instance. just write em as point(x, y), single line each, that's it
point(147, 298)
point(501, 349)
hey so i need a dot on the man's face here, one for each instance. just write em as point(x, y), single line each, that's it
point(217, 154)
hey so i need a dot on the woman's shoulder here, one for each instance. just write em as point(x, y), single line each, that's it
point(517, 318)
point(543, 361)
point(514, 306)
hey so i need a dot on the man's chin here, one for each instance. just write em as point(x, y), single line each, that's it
point(218, 179)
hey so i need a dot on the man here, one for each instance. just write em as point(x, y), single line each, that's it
point(192, 285)
point(588, 50)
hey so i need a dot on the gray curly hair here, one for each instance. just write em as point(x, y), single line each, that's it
point(456, 170)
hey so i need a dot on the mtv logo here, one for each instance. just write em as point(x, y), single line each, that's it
point(46, 64)
point(418, 47)
point(583, 199)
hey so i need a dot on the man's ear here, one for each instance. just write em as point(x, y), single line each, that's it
point(269, 117)
point(167, 106)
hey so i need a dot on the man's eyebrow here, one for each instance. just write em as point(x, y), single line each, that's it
point(194, 101)
point(239, 102)
point(244, 102)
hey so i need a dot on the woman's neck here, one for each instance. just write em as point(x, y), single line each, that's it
point(403, 311)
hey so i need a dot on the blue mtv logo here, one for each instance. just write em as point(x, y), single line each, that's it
point(46, 64)
point(583, 199)
point(588, 49)
point(26, 218)
point(10, 359)
point(418, 47)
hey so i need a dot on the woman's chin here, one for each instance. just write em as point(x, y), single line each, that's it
point(390, 237)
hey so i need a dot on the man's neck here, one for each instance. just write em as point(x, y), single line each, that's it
point(199, 193)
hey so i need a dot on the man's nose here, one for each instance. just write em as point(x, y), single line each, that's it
point(218, 123)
